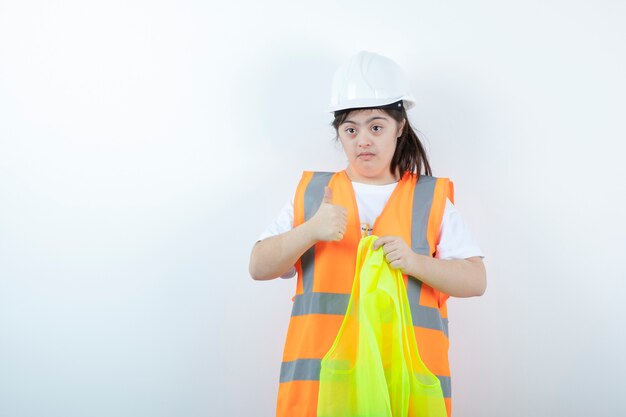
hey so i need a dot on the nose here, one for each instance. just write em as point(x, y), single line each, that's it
point(364, 140)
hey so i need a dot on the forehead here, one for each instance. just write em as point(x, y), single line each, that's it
point(365, 115)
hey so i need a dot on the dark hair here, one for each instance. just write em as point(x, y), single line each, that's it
point(410, 155)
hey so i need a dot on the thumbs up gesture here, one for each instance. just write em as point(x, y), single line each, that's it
point(330, 220)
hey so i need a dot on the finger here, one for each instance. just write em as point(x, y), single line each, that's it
point(391, 244)
point(390, 250)
point(395, 264)
point(390, 247)
point(328, 195)
point(381, 241)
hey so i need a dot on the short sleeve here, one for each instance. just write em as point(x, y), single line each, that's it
point(456, 240)
point(281, 224)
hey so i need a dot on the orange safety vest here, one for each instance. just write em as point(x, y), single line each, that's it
point(325, 275)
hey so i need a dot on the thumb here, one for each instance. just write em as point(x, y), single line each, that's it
point(328, 195)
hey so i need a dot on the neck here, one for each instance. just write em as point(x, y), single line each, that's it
point(383, 180)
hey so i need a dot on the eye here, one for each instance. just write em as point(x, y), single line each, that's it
point(377, 128)
point(350, 130)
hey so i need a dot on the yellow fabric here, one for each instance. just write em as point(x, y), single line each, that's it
point(373, 368)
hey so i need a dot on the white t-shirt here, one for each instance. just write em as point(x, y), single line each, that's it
point(455, 242)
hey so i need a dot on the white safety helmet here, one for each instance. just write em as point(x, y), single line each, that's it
point(369, 80)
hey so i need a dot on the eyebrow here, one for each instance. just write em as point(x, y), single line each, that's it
point(367, 121)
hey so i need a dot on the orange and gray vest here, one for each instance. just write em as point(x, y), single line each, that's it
point(326, 271)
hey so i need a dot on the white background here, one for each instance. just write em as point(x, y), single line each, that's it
point(144, 145)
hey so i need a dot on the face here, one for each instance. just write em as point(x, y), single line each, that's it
point(369, 140)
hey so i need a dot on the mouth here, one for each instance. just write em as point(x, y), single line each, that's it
point(365, 155)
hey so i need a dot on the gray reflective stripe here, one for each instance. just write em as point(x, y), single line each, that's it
point(314, 193)
point(307, 262)
point(422, 202)
point(300, 370)
point(313, 196)
point(320, 303)
point(444, 381)
point(309, 370)
point(331, 303)
point(446, 385)
point(427, 317)
point(423, 316)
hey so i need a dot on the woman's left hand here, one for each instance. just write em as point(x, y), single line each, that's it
point(397, 252)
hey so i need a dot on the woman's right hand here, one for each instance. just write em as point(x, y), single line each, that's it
point(330, 221)
point(273, 256)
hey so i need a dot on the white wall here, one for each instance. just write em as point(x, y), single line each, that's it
point(144, 145)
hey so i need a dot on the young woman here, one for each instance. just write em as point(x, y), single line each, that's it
point(386, 190)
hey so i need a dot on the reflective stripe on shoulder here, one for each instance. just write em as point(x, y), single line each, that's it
point(422, 201)
point(313, 197)
point(314, 193)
